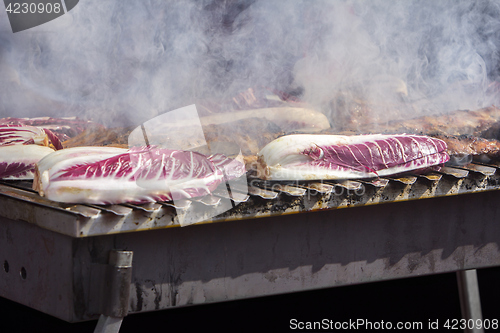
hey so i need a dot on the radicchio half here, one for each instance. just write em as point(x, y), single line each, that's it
point(141, 174)
point(307, 157)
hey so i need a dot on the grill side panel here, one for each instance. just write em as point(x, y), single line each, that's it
point(36, 268)
point(228, 261)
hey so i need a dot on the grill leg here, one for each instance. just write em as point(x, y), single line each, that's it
point(107, 324)
point(117, 292)
point(470, 302)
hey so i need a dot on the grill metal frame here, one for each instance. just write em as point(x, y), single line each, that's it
point(396, 228)
point(259, 199)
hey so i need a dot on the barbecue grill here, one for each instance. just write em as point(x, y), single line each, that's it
point(122, 64)
point(83, 262)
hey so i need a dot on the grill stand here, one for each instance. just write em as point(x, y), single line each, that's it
point(107, 324)
point(470, 301)
point(116, 291)
point(63, 275)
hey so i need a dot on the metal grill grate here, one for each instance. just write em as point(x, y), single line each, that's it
point(260, 199)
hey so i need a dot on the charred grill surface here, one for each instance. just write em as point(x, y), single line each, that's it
point(116, 137)
point(250, 135)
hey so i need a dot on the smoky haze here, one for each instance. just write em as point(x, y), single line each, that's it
point(123, 62)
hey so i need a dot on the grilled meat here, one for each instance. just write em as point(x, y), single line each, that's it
point(461, 122)
point(465, 148)
point(466, 133)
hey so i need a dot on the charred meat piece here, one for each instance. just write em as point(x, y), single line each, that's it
point(468, 134)
point(465, 148)
point(461, 122)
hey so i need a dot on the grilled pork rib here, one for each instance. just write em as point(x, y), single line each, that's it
point(467, 133)
point(309, 157)
point(465, 148)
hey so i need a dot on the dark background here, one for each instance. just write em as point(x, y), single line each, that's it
point(414, 299)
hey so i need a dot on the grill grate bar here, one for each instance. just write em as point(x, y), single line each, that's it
point(434, 177)
point(148, 207)
point(26, 185)
point(321, 188)
point(454, 172)
point(347, 184)
point(410, 180)
point(378, 182)
point(294, 189)
point(208, 200)
point(479, 169)
point(256, 198)
point(118, 210)
point(177, 204)
point(33, 198)
point(235, 196)
point(264, 194)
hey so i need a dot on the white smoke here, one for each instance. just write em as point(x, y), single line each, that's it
point(401, 58)
point(125, 61)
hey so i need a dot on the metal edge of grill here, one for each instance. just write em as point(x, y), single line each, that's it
point(258, 199)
